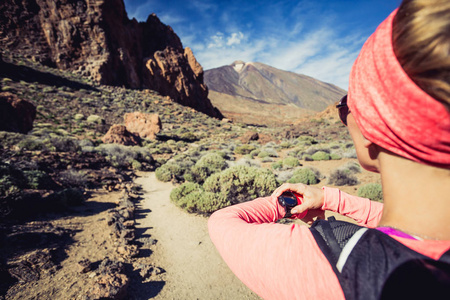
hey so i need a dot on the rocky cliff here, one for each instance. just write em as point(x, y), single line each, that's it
point(97, 39)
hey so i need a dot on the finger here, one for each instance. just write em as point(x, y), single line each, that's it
point(299, 208)
point(281, 189)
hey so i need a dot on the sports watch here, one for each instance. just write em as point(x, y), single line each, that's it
point(288, 200)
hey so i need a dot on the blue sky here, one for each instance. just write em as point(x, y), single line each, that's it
point(317, 38)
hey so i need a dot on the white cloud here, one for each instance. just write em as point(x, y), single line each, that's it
point(235, 38)
point(216, 41)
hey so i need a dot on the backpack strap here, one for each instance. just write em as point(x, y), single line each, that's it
point(369, 264)
point(332, 237)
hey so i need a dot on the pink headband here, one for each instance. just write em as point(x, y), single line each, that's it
point(391, 110)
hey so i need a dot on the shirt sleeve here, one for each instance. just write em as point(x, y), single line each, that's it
point(276, 261)
point(364, 211)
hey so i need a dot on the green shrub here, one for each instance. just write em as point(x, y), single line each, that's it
point(254, 153)
point(321, 155)
point(244, 149)
point(188, 137)
point(38, 180)
point(241, 183)
point(11, 138)
point(290, 162)
point(305, 176)
point(95, 119)
point(335, 156)
point(199, 201)
point(277, 165)
point(168, 171)
point(373, 191)
point(136, 165)
point(208, 164)
point(186, 188)
point(285, 145)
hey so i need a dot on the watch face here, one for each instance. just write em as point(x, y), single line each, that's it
point(288, 199)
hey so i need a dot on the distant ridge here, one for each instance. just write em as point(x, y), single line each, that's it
point(255, 93)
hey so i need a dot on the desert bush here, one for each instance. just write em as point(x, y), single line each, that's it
point(136, 165)
point(207, 165)
point(254, 153)
point(305, 176)
point(307, 140)
point(188, 137)
point(245, 161)
point(73, 178)
point(341, 177)
point(11, 138)
point(122, 156)
point(186, 188)
point(205, 202)
point(168, 171)
point(335, 156)
point(95, 119)
point(284, 176)
point(12, 180)
point(286, 144)
point(321, 155)
point(38, 180)
point(373, 191)
point(64, 144)
point(277, 165)
point(241, 183)
point(268, 152)
point(32, 143)
point(290, 162)
point(352, 167)
point(244, 149)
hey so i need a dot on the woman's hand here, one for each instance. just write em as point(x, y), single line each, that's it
point(312, 199)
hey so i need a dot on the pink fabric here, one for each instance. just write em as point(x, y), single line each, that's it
point(283, 261)
point(391, 110)
point(275, 261)
point(362, 210)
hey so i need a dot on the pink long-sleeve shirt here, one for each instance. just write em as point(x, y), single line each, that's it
point(280, 261)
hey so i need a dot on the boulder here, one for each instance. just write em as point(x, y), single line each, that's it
point(16, 115)
point(144, 125)
point(118, 134)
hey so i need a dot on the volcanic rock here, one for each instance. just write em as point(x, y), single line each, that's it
point(144, 125)
point(98, 40)
point(16, 115)
point(118, 134)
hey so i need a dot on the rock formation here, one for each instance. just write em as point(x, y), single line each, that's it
point(144, 125)
point(16, 115)
point(118, 134)
point(97, 39)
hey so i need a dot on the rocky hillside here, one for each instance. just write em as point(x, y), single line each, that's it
point(98, 40)
point(258, 93)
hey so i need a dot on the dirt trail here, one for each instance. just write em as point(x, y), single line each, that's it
point(194, 269)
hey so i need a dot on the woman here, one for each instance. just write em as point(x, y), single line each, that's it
point(398, 117)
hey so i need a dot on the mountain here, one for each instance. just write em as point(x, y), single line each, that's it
point(98, 40)
point(260, 94)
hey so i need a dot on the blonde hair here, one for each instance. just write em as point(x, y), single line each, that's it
point(421, 41)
